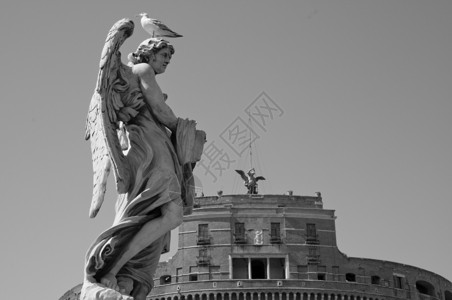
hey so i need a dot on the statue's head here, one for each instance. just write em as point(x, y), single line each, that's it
point(154, 51)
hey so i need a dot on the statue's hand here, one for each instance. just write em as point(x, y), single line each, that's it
point(109, 280)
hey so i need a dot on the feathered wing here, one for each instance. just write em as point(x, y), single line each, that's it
point(259, 178)
point(104, 115)
point(242, 174)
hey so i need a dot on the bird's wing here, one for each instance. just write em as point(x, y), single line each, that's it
point(259, 178)
point(243, 175)
point(105, 111)
point(163, 27)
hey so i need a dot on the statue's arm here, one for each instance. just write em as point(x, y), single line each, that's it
point(154, 97)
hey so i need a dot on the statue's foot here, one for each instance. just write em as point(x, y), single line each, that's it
point(109, 280)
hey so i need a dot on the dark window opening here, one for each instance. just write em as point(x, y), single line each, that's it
point(239, 233)
point(375, 279)
point(426, 288)
point(321, 276)
point(398, 282)
point(275, 233)
point(165, 279)
point(258, 268)
point(193, 277)
point(350, 277)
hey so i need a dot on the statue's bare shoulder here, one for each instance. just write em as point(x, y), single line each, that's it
point(142, 70)
point(153, 95)
point(145, 76)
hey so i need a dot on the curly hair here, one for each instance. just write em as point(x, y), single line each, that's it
point(147, 48)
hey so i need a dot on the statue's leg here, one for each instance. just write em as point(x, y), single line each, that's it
point(172, 213)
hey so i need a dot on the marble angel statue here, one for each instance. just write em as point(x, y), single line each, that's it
point(152, 152)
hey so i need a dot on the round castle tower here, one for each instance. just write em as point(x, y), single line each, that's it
point(279, 247)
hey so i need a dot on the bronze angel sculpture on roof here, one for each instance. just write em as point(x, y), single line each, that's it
point(152, 152)
point(250, 181)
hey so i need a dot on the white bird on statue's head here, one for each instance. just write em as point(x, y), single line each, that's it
point(156, 28)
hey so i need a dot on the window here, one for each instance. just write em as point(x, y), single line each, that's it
point(277, 268)
point(350, 277)
point(239, 233)
point(258, 268)
point(275, 233)
point(448, 295)
point(193, 277)
point(321, 276)
point(311, 231)
point(375, 279)
point(311, 234)
point(165, 279)
point(240, 268)
point(398, 282)
point(426, 288)
point(203, 234)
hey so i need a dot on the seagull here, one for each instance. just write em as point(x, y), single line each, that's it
point(156, 28)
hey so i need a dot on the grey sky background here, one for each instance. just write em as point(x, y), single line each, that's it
point(365, 88)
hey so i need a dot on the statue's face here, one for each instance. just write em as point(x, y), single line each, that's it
point(160, 60)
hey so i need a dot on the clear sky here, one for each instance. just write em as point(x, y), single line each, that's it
point(361, 97)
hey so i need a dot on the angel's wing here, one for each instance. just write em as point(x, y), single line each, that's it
point(259, 178)
point(242, 174)
point(103, 117)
